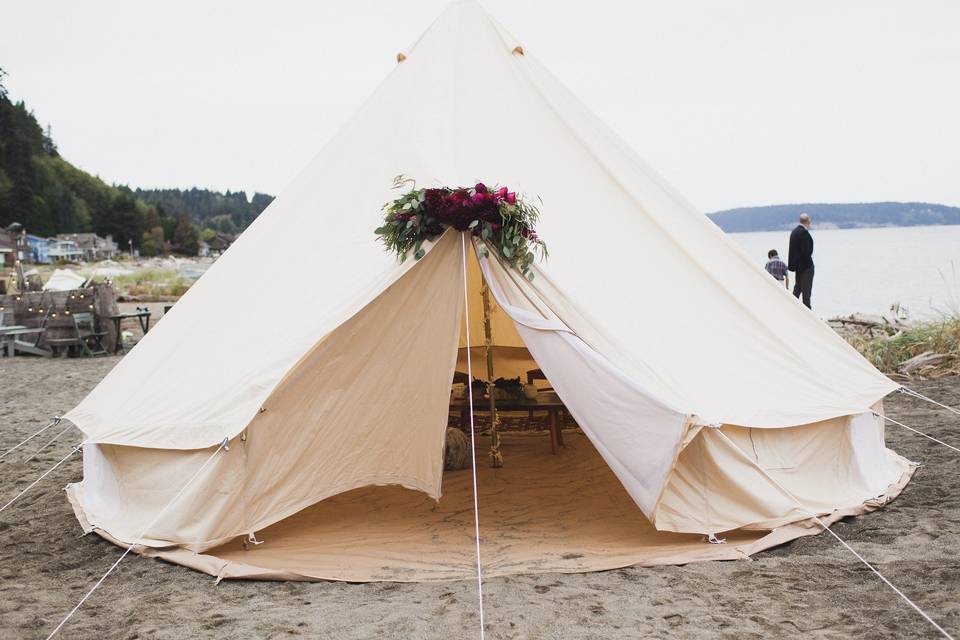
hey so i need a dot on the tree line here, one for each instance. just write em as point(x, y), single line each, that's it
point(48, 195)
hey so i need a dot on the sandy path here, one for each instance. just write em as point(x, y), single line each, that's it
point(809, 588)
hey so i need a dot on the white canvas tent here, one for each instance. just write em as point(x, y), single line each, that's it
point(699, 417)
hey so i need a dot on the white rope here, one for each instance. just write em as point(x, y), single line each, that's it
point(880, 575)
point(45, 474)
point(53, 422)
point(222, 446)
point(888, 418)
point(851, 549)
point(920, 396)
point(52, 440)
point(473, 446)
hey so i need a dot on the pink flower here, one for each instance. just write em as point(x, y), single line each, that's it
point(502, 192)
point(511, 198)
point(480, 188)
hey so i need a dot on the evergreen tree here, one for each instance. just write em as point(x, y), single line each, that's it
point(185, 239)
point(153, 243)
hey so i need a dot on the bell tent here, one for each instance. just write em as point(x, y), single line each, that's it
point(656, 332)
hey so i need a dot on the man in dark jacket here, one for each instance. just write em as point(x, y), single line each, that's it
point(800, 259)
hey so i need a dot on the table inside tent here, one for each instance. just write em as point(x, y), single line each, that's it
point(547, 401)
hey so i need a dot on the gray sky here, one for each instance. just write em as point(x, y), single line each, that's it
point(738, 102)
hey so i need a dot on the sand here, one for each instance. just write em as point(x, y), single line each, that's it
point(811, 588)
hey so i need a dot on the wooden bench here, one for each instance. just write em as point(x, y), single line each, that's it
point(86, 338)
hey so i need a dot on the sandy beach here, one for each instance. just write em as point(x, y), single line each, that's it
point(812, 587)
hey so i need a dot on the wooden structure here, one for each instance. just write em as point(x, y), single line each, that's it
point(549, 402)
point(52, 311)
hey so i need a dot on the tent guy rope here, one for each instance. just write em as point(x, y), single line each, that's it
point(224, 446)
point(889, 419)
point(881, 576)
point(50, 442)
point(53, 422)
point(473, 446)
point(45, 474)
point(920, 396)
point(826, 528)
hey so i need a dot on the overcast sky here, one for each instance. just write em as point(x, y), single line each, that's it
point(739, 102)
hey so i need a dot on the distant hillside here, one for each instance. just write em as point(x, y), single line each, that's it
point(47, 195)
point(228, 212)
point(838, 216)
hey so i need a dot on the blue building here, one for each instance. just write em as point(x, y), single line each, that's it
point(39, 249)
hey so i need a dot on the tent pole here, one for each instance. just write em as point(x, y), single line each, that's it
point(496, 458)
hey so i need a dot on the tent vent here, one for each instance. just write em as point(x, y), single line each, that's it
point(518, 50)
point(400, 58)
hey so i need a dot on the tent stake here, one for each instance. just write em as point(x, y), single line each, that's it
point(496, 458)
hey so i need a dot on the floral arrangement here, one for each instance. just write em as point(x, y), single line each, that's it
point(495, 214)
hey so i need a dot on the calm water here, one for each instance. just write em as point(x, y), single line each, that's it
point(867, 270)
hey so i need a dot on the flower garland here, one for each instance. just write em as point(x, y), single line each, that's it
point(495, 215)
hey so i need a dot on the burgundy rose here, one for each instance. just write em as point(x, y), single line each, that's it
point(511, 198)
point(481, 198)
point(480, 188)
point(433, 199)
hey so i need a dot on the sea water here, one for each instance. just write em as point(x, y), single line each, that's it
point(868, 270)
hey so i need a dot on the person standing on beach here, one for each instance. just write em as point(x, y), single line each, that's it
point(777, 268)
point(800, 259)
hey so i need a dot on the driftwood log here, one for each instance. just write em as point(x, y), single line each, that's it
point(927, 358)
point(865, 320)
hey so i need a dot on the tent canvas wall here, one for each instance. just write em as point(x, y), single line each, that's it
point(658, 338)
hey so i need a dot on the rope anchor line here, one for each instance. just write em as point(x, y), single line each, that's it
point(223, 446)
point(49, 442)
point(44, 475)
point(916, 431)
point(881, 576)
point(473, 438)
point(920, 396)
point(53, 422)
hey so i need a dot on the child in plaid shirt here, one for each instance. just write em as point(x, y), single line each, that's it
point(777, 268)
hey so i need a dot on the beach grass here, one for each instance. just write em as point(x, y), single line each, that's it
point(889, 353)
point(151, 282)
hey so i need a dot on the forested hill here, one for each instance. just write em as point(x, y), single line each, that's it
point(48, 195)
point(228, 212)
point(841, 216)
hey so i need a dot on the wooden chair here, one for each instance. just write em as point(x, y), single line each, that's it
point(537, 374)
point(86, 337)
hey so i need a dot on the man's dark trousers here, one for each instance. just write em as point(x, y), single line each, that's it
point(803, 285)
